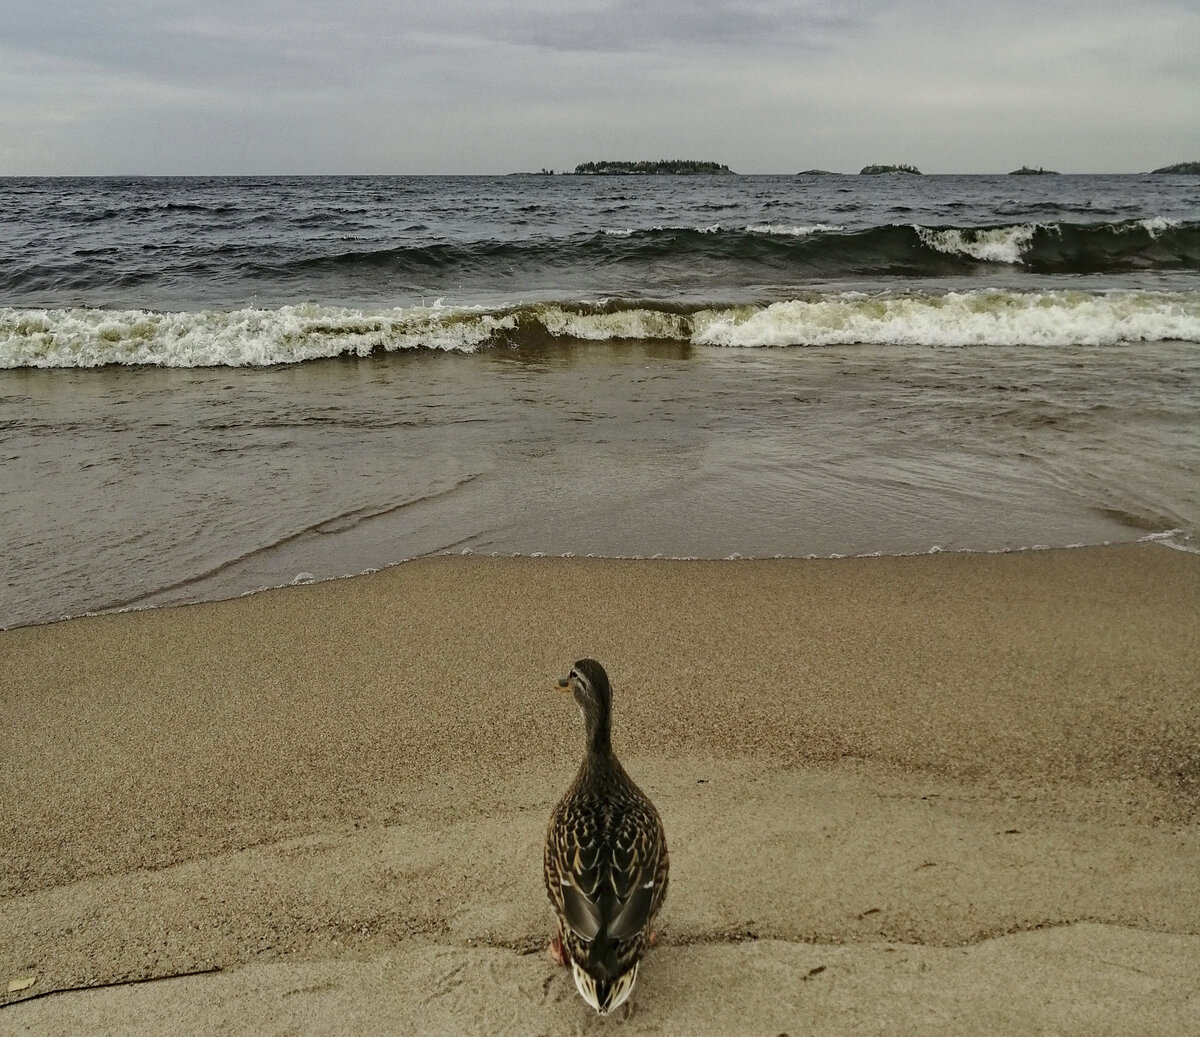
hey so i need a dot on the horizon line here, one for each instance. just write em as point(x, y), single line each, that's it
point(814, 171)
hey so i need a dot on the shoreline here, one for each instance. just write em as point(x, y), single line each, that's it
point(1174, 539)
point(937, 774)
point(794, 452)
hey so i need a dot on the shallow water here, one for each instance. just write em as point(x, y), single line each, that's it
point(179, 485)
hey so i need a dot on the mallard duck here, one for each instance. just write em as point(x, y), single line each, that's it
point(605, 860)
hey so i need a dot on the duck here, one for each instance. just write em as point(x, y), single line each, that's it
point(606, 864)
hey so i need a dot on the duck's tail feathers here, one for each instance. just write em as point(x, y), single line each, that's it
point(605, 995)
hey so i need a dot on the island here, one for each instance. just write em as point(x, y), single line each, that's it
point(672, 167)
point(1179, 167)
point(876, 170)
point(816, 172)
point(1030, 171)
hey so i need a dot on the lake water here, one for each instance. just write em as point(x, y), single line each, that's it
point(213, 385)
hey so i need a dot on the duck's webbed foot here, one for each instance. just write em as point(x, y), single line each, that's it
point(557, 952)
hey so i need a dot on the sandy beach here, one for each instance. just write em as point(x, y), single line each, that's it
point(953, 793)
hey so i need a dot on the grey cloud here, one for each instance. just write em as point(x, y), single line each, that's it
point(479, 86)
point(276, 41)
point(642, 25)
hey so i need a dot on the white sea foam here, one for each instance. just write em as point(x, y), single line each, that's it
point(290, 334)
point(959, 319)
point(658, 228)
point(238, 338)
point(633, 323)
point(1176, 539)
point(798, 231)
point(987, 244)
point(1155, 225)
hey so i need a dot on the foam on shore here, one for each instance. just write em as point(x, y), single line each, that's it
point(84, 337)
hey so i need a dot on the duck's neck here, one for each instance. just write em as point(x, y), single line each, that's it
point(599, 731)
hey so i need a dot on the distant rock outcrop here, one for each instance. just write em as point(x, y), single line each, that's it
point(876, 170)
point(1179, 167)
point(673, 166)
point(1030, 171)
point(815, 172)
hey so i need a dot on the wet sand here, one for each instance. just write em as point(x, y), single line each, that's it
point(946, 793)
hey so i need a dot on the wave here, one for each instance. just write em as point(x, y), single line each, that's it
point(988, 245)
point(82, 337)
point(1074, 248)
point(766, 253)
point(822, 249)
point(762, 254)
point(797, 231)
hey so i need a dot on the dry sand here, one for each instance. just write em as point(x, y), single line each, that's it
point(946, 794)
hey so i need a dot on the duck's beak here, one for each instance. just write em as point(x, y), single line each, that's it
point(564, 683)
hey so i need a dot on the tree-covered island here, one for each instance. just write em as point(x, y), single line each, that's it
point(903, 167)
point(672, 166)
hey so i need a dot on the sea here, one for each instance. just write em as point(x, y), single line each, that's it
point(214, 385)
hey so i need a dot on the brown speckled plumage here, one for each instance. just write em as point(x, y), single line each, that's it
point(606, 864)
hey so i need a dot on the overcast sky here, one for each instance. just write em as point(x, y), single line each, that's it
point(487, 86)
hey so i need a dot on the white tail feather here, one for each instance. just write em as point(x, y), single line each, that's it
point(617, 996)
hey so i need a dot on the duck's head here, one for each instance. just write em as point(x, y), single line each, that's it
point(588, 685)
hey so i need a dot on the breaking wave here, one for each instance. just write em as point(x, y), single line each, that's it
point(84, 337)
point(715, 255)
point(1153, 243)
point(819, 249)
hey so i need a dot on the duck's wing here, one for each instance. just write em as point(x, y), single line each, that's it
point(609, 870)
